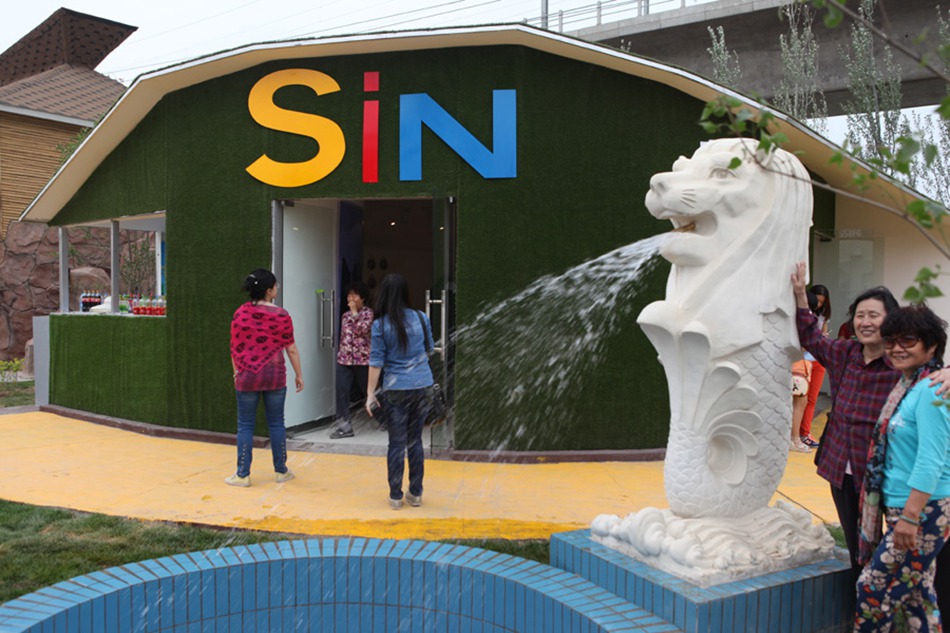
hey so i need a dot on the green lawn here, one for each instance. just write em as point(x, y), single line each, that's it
point(42, 546)
point(16, 394)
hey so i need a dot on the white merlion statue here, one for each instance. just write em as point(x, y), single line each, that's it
point(726, 337)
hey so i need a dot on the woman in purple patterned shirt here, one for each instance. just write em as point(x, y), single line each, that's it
point(352, 359)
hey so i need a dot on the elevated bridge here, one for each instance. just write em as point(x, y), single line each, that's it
point(675, 32)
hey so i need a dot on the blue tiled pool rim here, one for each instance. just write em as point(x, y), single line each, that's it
point(334, 584)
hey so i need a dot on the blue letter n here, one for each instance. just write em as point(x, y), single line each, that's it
point(418, 109)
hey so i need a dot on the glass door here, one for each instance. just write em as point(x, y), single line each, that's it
point(440, 307)
point(310, 230)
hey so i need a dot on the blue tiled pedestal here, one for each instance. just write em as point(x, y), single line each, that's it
point(816, 598)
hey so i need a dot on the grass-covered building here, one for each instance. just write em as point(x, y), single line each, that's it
point(475, 161)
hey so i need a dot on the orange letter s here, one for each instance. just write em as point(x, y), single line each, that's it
point(260, 103)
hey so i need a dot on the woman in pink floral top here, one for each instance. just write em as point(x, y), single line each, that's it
point(261, 332)
point(352, 359)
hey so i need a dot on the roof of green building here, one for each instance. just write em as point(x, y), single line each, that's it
point(148, 89)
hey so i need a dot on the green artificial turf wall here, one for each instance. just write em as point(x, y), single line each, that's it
point(112, 365)
point(130, 181)
point(589, 140)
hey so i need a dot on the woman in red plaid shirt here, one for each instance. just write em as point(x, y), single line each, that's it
point(861, 379)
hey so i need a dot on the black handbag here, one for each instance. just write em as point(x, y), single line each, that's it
point(437, 408)
point(438, 411)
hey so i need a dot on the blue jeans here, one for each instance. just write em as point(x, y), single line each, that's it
point(247, 415)
point(406, 412)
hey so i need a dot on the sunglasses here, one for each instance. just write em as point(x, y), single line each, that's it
point(906, 341)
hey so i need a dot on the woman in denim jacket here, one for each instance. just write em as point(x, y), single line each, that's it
point(398, 347)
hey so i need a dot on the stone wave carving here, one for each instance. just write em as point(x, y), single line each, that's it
point(712, 551)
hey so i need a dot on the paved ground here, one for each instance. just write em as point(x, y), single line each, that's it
point(51, 460)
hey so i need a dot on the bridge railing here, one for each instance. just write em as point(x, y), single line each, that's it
point(608, 11)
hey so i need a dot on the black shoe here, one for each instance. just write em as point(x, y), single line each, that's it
point(340, 433)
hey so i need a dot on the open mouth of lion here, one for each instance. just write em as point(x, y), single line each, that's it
point(700, 224)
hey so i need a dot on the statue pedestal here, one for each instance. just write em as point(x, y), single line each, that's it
point(818, 597)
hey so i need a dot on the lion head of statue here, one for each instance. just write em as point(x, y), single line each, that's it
point(742, 217)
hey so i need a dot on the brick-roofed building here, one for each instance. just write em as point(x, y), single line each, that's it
point(49, 92)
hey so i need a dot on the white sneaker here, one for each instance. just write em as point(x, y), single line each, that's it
point(287, 476)
point(798, 446)
point(413, 500)
point(395, 504)
point(234, 480)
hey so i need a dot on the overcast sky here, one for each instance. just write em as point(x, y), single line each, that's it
point(177, 30)
point(170, 31)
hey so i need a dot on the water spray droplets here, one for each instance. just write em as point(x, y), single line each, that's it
point(532, 351)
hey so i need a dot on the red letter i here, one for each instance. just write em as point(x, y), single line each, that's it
point(371, 129)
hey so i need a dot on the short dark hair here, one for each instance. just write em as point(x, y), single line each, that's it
point(920, 321)
point(880, 293)
point(258, 283)
point(359, 288)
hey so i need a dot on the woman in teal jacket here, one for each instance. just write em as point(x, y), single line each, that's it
point(907, 481)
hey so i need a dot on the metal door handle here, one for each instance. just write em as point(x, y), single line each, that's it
point(333, 318)
point(322, 309)
point(438, 346)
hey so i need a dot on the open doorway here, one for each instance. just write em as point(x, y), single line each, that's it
point(324, 246)
point(397, 238)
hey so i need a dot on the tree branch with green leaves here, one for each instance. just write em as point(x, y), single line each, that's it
point(899, 155)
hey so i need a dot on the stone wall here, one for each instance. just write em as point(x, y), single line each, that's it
point(29, 275)
point(29, 283)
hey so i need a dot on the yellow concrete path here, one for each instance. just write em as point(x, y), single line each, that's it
point(50, 460)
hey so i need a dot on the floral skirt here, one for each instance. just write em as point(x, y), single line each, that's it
point(904, 580)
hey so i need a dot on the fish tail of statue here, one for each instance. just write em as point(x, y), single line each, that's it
point(728, 456)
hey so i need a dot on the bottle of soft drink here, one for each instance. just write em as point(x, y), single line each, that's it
point(160, 310)
point(83, 299)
